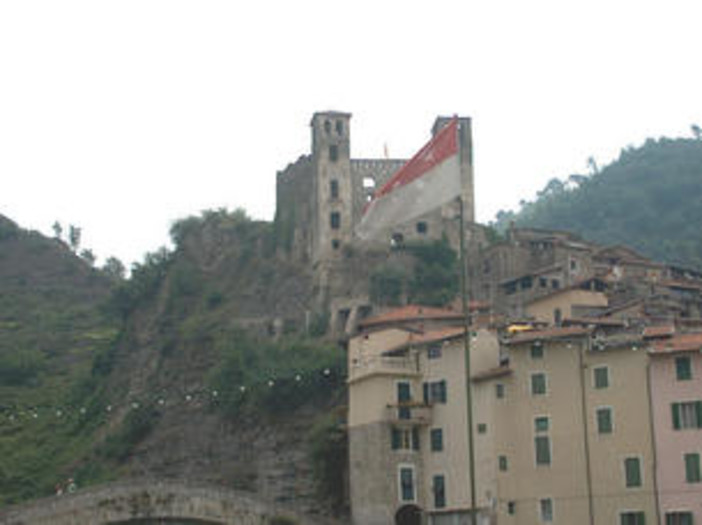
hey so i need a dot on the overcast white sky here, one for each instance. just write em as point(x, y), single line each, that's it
point(123, 116)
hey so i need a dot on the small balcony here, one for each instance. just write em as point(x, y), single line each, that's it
point(409, 413)
point(383, 365)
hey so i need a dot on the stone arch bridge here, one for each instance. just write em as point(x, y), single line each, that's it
point(150, 503)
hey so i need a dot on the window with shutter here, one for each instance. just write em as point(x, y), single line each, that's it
point(692, 468)
point(604, 420)
point(683, 368)
point(632, 471)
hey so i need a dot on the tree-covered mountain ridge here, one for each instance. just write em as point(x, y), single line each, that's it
point(650, 198)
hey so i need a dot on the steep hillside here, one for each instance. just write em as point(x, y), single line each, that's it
point(50, 329)
point(216, 377)
point(202, 367)
point(650, 198)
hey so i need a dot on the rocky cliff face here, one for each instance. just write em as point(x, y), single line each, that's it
point(222, 278)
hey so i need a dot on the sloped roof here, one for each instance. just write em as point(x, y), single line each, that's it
point(653, 332)
point(677, 343)
point(684, 285)
point(411, 312)
point(595, 321)
point(431, 336)
point(575, 286)
point(436, 335)
point(549, 333)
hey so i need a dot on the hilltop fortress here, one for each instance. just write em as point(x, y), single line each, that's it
point(320, 200)
point(321, 196)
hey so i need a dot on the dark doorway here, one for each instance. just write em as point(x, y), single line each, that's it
point(408, 515)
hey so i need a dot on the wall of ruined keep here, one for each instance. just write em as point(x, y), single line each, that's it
point(295, 209)
point(367, 176)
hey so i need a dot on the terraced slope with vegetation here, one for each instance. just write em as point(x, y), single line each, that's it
point(50, 329)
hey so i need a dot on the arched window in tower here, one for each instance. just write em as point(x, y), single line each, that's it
point(334, 189)
point(327, 126)
point(333, 152)
point(339, 127)
point(335, 220)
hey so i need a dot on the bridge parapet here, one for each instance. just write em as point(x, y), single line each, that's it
point(143, 499)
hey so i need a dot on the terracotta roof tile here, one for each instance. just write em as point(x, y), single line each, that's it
point(437, 335)
point(597, 321)
point(549, 333)
point(685, 285)
point(652, 332)
point(678, 343)
point(411, 313)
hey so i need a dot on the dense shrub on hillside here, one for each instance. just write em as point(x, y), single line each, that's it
point(274, 377)
point(433, 280)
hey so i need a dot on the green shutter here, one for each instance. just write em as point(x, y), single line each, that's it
point(604, 421)
point(675, 407)
point(601, 377)
point(395, 438)
point(698, 413)
point(692, 468)
point(538, 384)
point(543, 450)
point(683, 368)
point(632, 467)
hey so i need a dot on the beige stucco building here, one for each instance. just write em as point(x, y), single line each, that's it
point(572, 431)
point(408, 425)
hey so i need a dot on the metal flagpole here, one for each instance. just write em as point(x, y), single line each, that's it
point(466, 342)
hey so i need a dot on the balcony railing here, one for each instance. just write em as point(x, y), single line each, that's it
point(387, 365)
point(408, 413)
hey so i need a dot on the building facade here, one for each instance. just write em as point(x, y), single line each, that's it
point(408, 424)
point(595, 422)
point(676, 385)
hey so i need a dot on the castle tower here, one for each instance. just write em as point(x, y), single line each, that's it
point(332, 214)
point(465, 148)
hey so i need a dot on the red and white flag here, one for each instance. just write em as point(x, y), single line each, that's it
point(429, 179)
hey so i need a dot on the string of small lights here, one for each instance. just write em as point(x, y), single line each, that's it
point(17, 414)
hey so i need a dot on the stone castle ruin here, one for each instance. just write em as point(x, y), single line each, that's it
point(320, 200)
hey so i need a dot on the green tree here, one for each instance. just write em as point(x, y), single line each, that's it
point(74, 234)
point(58, 230)
point(114, 268)
point(88, 256)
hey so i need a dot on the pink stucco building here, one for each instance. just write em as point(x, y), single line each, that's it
point(675, 375)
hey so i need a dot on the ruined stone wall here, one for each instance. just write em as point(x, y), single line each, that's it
point(295, 209)
point(368, 175)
